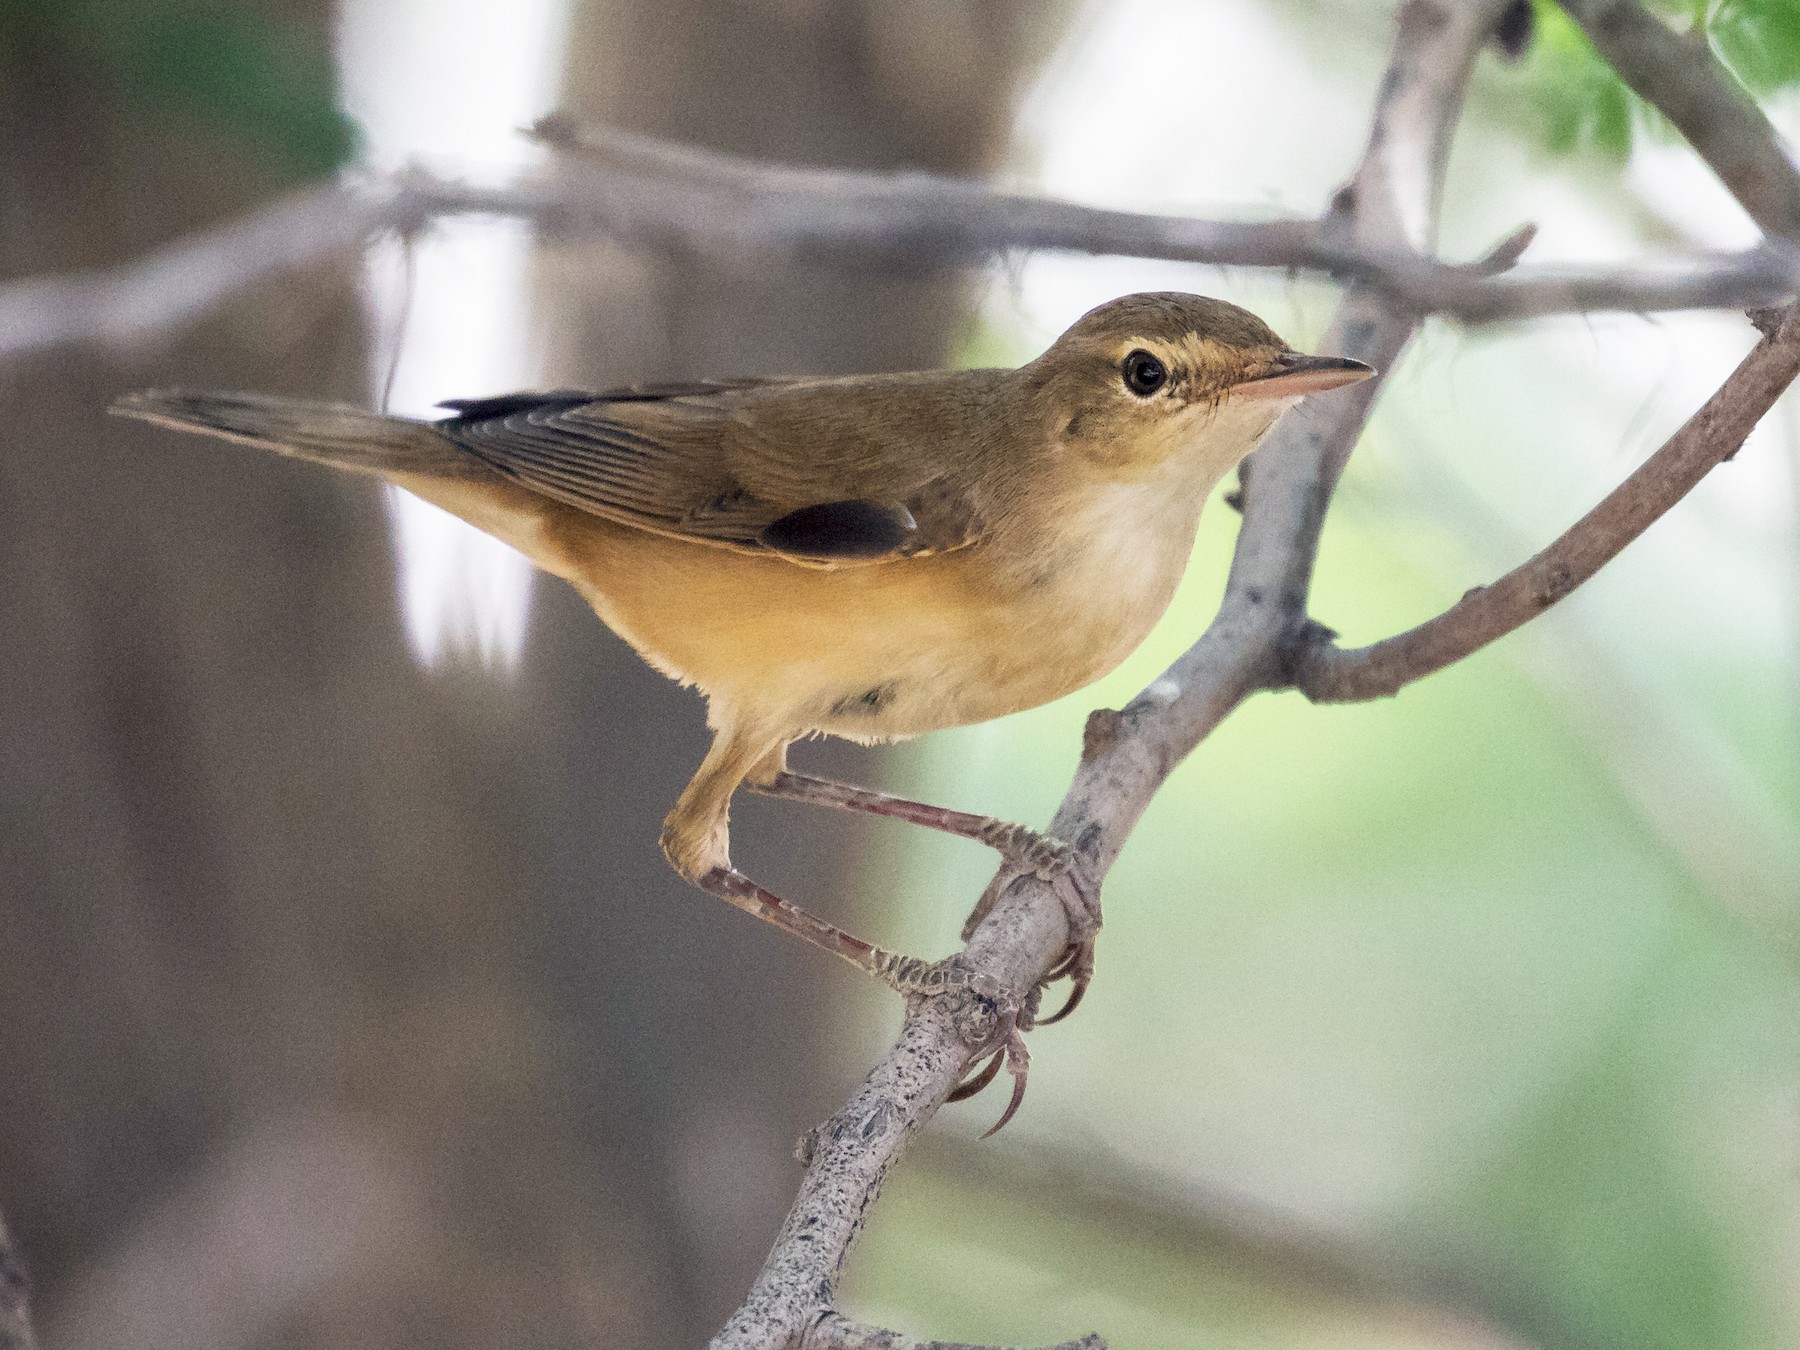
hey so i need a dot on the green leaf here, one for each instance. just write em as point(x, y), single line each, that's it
point(1760, 42)
point(1582, 106)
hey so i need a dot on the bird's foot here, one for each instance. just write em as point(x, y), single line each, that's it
point(989, 1018)
point(1071, 876)
point(1024, 849)
point(1079, 890)
point(998, 1025)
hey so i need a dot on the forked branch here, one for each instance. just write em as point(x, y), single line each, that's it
point(1389, 206)
point(1329, 674)
point(605, 184)
point(1261, 636)
point(1727, 130)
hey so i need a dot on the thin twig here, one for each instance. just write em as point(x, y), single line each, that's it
point(1724, 827)
point(1329, 674)
point(1731, 134)
point(706, 200)
point(1389, 205)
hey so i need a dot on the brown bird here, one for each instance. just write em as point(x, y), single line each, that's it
point(871, 557)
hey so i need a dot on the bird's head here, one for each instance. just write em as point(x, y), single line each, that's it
point(1147, 378)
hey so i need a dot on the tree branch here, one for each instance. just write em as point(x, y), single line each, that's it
point(1681, 79)
point(682, 196)
point(610, 185)
point(1687, 84)
point(1389, 205)
point(1378, 236)
point(1329, 674)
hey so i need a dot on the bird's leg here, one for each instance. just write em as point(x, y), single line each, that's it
point(1021, 846)
point(987, 1017)
point(1045, 857)
point(696, 840)
point(1079, 892)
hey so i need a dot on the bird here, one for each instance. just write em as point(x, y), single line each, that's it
point(871, 557)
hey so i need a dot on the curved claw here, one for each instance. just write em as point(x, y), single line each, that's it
point(978, 1080)
point(1018, 1063)
point(1018, 1071)
point(1076, 993)
point(1064, 964)
point(1007, 1046)
point(1078, 965)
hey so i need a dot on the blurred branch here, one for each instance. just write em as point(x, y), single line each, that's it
point(1330, 674)
point(611, 185)
point(1389, 205)
point(679, 195)
point(1377, 235)
point(1289, 1256)
point(15, 1297)
point(1684, 81)
point(158, 294)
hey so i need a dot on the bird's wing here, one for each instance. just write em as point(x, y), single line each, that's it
point(714, 463)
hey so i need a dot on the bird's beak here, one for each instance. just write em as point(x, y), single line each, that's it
point(1292, 374)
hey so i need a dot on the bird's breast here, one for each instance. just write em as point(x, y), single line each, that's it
point(896, 648)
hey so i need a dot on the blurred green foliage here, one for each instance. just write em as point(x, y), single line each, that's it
point(1418, 971)
point(1494, 983)
point(233, 68)
point(1584, 106)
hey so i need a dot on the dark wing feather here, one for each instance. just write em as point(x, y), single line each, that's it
point(649, 391)
point(841, 531)
point(685, 460)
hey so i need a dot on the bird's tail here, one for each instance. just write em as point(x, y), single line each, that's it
point(327, 433)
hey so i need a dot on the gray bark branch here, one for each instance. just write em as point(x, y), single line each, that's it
point(1389, 205)
point(1681, 79)
point(1329, 674)
point(1378, 237)
point(610, 185)
point(1729, 132)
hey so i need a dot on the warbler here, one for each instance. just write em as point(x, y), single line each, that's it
point(870, 557)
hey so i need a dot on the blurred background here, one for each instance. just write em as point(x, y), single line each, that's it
point(344, 996)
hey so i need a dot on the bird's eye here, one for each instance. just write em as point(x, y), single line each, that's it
point(1144, 374)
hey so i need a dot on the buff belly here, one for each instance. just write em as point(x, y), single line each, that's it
point(872, 652)
point(876, 651)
